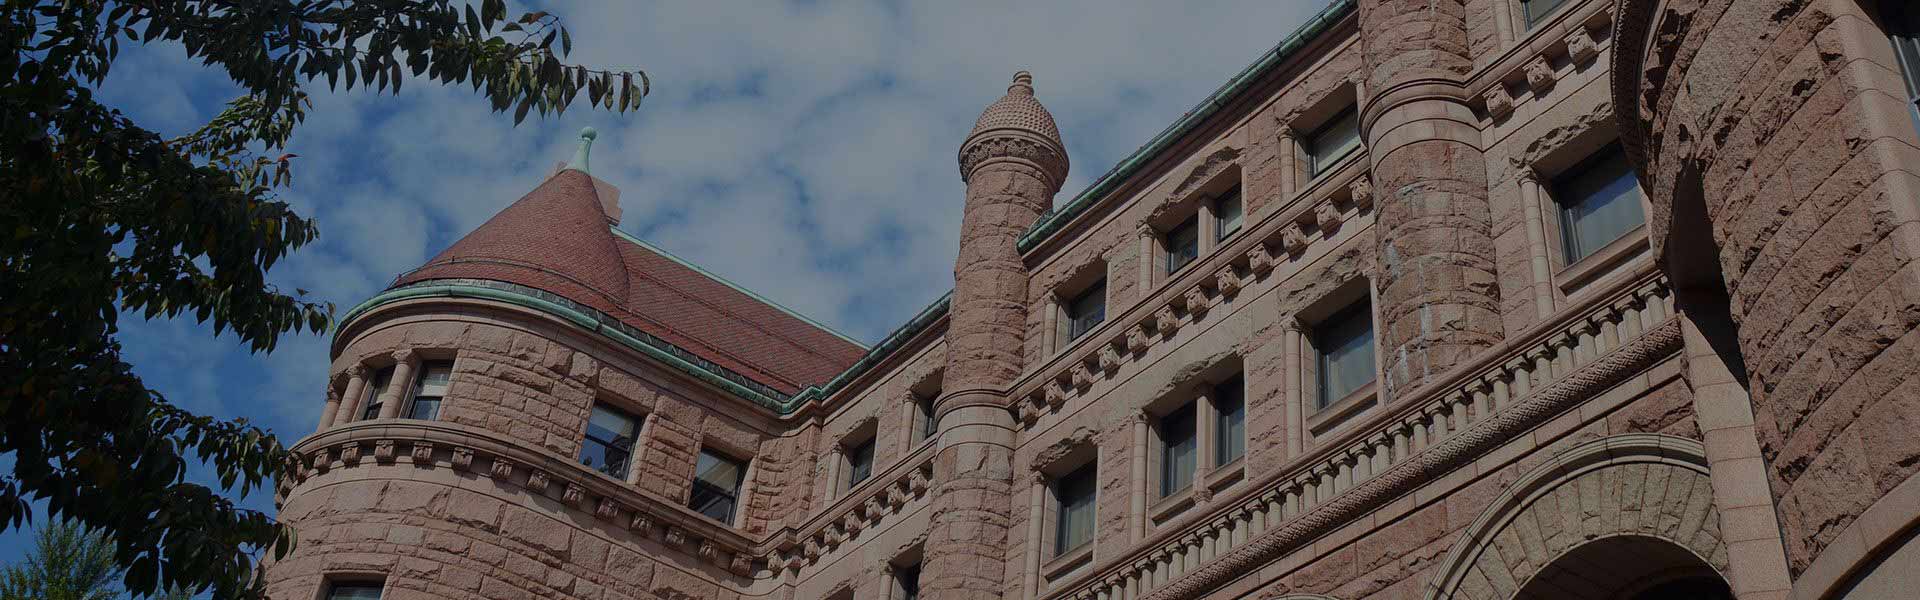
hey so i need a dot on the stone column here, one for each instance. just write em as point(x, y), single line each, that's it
point(1757, 560)
point(1036, 529)
point(1137, 504)
point(1149, 258)
point(327, 411)
point(1534, 204)
point(1291, 341)
point(887, 583)
point(400, 386)
point(355, 398)
point(1012, 163)
point(1289, 163)
point(1439, 300)
point(1204, 435)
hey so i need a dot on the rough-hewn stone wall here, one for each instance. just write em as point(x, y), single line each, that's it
point(1777, 127)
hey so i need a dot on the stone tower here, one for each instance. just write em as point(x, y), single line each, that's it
point(1439, 294)
point(1013, 162)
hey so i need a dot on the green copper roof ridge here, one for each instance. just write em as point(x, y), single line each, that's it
point(1053, 221)
point(737, 287)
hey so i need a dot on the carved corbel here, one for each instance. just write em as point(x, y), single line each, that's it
point(917, 481)
point(1260, 259)
point(1294, 238)
point(1165, 321)
point(1196, 301)
point(1362, 192)
point(574, 493)
point(350, 453)
point(1328, 217)
point(1540, 74)
point(1082, 377)
point(462, 458)
point(1227, 280)
point(1109, 358)
point(1499, 100)
point(383, 451)
point(1581, 46)
point(708, 551)
point(1056, 394)
point(537, 480)
point(641, 523)
point(422, 454)
point(607, 508)
point(502, 469)
point(741, 564)
point(1137, 338)
point(676, 536)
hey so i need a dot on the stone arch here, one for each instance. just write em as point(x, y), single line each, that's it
point(1646, 489)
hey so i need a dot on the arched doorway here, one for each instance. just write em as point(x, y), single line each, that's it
point(1627, 567)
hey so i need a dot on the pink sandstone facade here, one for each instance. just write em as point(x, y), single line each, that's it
point(1439, 299)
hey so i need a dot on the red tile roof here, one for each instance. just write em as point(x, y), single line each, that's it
point(558, 238)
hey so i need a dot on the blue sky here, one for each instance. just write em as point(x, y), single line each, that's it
point(805, 150)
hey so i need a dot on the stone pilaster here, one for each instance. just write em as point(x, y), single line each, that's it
point(355, 397)
point(1439, 299)
point(400, 386)
point(1013, 163)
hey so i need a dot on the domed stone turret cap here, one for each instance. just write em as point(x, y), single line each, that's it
point(1016, 126)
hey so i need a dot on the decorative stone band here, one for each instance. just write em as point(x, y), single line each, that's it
point(1021, 145)
point(885, 493)
point(1534, 74)
point(1531, 379)
point(436, 444)
point(1245, 261)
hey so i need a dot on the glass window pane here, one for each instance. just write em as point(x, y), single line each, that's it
point(1229, 402)
point(1334, 141)
point(1178, 445)
point(428, 389)
point(609, 441)
point(1227, 213)
point(1345, 342)
point(354, 591)
point(716, 485)
point(1075, 494)
point(1087, 310)
point(424, 408)
point(1599, 202)
point(1183, 244)
point(1903, 27)
point(927, 425)
point(377, 389)
point(859, 463)
point(908, 579)
point(1538, 10)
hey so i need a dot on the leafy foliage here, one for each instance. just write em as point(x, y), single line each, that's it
point(68, 563)
point(103, 217)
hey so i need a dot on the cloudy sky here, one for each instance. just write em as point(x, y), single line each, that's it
point(805, 150)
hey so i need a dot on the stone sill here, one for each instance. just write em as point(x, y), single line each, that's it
point(1171, 505)
point(1060, 566)
point(1572, 278)
point(1343, 410)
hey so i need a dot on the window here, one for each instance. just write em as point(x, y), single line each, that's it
point(375, 392)
point(1536, 11)
point(924, 406)
point(354, 591)
point(1345, 344)
point(859, 462)
point(429, 389)
point(1073, 494)
point(1332, 142)
point(1903, 27)
point(1087, 310)
point(716, 485)
point(1599, 202)
point(1178, 444)
point(609, 443)
point(908, 580)
point(1230, 421)
point(1227, 214)
point(1183, 243)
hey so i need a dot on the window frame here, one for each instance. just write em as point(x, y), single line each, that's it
point(1087, 476)
point(924, 417)
point(1318, 163)
point(416, 392)
point(1225, 431)
point(733, 496)
point(636, 420)
point(1177, 428)
point(1079, 324)
point(1186, 234)
point(376, 387)
point(1221, 231)
point(1903, 32)
point(1360, 310)
point(1564, 202)
point(856, 474)
point(1529, 20)
point(332, 588)
point(906, 581)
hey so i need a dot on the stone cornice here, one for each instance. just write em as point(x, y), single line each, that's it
point(885, 493)
point(1021, 145)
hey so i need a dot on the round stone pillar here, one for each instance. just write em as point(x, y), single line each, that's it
point(1013, 163)
point(1439, 299)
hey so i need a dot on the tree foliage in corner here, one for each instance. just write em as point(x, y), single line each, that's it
point(67, 562)
point(99, 217)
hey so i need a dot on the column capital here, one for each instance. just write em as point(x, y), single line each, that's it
point(404, 356)
point(357, 371)
point(1037, 476)
point(1291, 324)
point(1528, 174)
point(1285, 132)
point(1139, 416)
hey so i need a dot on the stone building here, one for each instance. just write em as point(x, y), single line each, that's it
point(1438, 299)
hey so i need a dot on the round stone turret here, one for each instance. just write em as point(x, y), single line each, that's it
point(1016, 127)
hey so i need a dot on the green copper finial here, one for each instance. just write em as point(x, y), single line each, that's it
point(579, 162)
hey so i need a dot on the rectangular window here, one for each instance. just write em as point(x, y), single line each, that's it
point(609, 442)
point(1227, 214)
point(375, 390)
point(924, 405)
point(1178, 444)
point(1183, 244)
point(1332, 142)
point(1087, 310)
point(859, 463)
point(1536, 11)
point(1599, 202)
point(1345, 345)
point(1230, 421)
point(908, 578)
point(429, 389)
point(354, 591)
point(1074, 494)
point(1903, 27)
point(716, 485)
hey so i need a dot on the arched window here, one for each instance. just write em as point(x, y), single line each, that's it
point(1902, 21)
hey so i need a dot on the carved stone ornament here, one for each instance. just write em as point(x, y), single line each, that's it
point(741, 565)
point(641, 523)
point(1499, 101)
point(871, 508)
point(1109, 358)
point(1540, 75)
point(1328, 217)
point(1044, 155)
point(1165, 321)
point(463, 458)
point(606, 509)
point(1581, 45)
point(537, 480)
point(322, 461)
point(1227, 281)
point(811, 549)
point(1082, 377)
point(350, 453)
point(422, 453)
point(383, 450)
point(1138, 339)
point(1362, 191)
point(1295, 239)
point(708, 551)
point(1260, 259)
point(917, 481)
point(676, 536)
point(1056, 395)
point(502, 468)
point(1196, 301)
point(896, 496)
point(573, 493)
